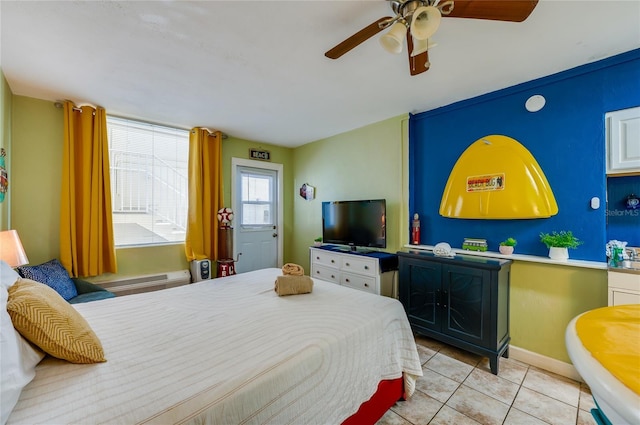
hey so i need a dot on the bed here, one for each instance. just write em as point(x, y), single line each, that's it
point(604, 346)
point(231, 351)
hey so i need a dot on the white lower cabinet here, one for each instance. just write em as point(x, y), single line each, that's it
point(352, 270)
point(624, 287)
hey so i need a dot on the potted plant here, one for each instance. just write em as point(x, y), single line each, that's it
point(317, 241)
point(559, 243)
point(506, 246)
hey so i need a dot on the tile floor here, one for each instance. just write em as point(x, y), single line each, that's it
point(458, 388)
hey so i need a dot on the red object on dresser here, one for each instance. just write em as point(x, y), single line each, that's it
point(388, 392)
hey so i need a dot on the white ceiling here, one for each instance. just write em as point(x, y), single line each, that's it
point(256, 69)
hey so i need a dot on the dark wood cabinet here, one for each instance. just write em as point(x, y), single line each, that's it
point(462, 301)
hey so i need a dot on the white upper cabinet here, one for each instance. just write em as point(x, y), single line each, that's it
point(623, 141)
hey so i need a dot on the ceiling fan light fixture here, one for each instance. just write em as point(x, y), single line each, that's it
point(392, 41)
point(421, 46)
point(425, 22)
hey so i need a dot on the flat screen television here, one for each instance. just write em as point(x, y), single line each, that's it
point(355, 223)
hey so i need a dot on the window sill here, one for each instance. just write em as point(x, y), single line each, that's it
point(522, 257)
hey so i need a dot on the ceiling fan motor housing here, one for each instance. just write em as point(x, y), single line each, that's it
point(406, 8)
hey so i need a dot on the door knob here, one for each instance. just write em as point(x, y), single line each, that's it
point(274, 234)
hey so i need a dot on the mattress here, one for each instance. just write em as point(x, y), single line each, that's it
point(228, 351)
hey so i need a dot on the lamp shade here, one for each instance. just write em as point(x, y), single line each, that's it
point(11, 250)
point(425, 22)
point(393, 39)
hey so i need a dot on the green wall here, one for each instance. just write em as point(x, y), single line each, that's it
point(544, 299)
point(36, 157)
point(368, 162)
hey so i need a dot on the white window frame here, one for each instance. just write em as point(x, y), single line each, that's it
point(162, 201)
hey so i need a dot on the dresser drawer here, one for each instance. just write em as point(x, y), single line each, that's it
point(326, 273)
point(356, 281)
point(326, 258)
point(366, 266)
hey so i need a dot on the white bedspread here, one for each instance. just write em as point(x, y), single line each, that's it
point(228, 351)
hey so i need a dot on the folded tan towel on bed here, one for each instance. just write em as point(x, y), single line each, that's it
point(292, 285)
point(292, 269)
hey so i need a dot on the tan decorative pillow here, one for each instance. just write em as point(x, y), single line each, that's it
point(43, 317)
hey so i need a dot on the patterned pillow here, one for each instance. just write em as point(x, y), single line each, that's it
point(51, 323)
point(52, 274)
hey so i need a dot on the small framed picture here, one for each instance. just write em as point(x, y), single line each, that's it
point(307, 192)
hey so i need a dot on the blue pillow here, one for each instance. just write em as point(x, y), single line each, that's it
point(52, 274)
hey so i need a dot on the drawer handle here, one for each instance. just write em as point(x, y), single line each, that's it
point(317, 271)
point(347, 264)
point(332, 261)
point(366, 285)
point(347, 280)
point(366, 267)
point(333, 277)
point(317, 258)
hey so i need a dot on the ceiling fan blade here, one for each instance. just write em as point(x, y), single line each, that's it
point(356, 39)
point(418, 63)
point(496, 10)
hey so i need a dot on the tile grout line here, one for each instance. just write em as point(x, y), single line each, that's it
point(477, 365)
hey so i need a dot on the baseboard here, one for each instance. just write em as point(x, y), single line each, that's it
point(543, 362)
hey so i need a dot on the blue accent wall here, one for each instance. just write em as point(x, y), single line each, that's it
point(567, 138)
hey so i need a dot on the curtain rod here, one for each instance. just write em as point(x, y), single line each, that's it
point(75, 108)
point(224, 135)
point(60, 104)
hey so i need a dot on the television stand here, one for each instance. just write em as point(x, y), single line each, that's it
point(372, 271)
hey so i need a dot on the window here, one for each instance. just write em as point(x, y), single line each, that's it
point(257, 203)
point(148, 182)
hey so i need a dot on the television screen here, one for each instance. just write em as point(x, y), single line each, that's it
point(355, 223)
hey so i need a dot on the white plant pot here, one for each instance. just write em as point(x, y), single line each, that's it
point(505, 249)
point(317, 243)
point(558, 254)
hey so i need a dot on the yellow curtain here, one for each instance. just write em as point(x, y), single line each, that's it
point(86, 228)
point(205, 194)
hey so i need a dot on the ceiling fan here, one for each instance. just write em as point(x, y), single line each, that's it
point(418, 20)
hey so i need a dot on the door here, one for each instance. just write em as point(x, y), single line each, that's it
point(419, 290)
point(466, 303)
point(256, 199)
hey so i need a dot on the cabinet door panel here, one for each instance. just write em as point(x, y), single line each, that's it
point(420, 284)
point(467, 294)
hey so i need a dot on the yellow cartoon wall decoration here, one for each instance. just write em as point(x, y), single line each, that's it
point(497, 178)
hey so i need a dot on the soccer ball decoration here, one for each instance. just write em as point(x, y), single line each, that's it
point(225, 215)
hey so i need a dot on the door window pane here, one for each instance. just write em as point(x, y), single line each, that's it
point(256, 200)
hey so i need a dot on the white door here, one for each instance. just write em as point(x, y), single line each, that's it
point(257, 223)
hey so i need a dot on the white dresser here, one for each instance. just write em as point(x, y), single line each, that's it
point(353, 270)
